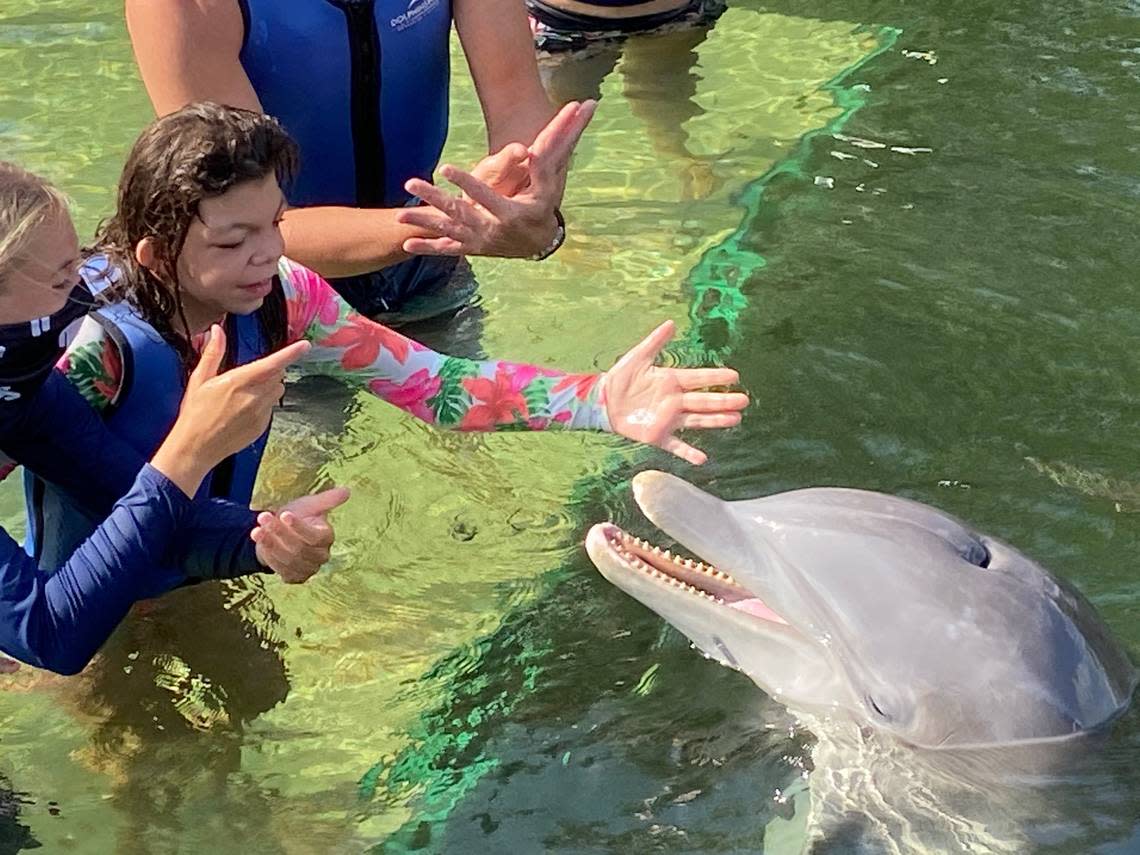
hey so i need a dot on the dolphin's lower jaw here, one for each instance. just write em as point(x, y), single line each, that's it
point(616, 552)
point(725, 620)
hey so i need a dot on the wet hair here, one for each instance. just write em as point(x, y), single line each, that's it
point(26, 203)
point(196, 153)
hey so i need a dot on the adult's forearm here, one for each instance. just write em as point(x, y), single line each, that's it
point(337, 241)
point(520, 118)
point(497, 41)
point(520, 126)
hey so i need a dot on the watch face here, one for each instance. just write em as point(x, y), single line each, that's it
point(556, 242)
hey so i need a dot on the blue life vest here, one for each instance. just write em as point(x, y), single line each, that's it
point(142, 415)
point(362, 85)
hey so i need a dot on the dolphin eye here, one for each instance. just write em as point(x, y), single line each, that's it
point(878, 710)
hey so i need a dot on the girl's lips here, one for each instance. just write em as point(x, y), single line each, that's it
point(260, 288)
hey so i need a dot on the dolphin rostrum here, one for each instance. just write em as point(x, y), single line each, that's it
point(848, 603)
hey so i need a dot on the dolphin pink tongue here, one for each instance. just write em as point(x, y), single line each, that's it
point(757, 608)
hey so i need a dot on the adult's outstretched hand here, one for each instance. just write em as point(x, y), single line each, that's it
point(499, 212)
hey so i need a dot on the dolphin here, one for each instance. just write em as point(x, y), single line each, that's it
point(853, 604)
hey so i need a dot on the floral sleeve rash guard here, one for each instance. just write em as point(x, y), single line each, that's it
point(453, 393)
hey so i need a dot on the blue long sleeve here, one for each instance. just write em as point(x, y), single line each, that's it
point(57, 436)
point(59, 620)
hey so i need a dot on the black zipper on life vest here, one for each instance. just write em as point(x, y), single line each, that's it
point(367, 138)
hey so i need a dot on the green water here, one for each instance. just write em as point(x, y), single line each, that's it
point(955, 325)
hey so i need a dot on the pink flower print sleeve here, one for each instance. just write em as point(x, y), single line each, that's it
point(93, 364)
point(460, 394)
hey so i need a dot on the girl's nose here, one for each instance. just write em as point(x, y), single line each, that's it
point(269, 250)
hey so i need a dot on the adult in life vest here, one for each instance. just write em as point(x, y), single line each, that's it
point(362, 85)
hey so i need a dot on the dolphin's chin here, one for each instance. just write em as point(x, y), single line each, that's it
point(620, 551)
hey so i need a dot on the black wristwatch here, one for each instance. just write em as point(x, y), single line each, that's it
point(559, 238)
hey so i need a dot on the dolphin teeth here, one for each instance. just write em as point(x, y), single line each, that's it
point(666, 553)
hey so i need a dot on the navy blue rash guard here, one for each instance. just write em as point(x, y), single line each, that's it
point(78, 453)
point(58, 620)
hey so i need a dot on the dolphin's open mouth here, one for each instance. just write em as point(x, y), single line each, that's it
point(691, 576)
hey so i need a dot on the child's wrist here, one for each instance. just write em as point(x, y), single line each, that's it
point(182, 464)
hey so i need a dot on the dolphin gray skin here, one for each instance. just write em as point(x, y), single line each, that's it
point(841, 602)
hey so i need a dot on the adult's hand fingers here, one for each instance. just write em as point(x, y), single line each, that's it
point(713, 402)
point(435, 223)
point(504, 159)
point(545, 139)
point(505, 170)
point(424, 217)
point(435, 246)
point(476, 190)
point(436, 197)
point(554, 143)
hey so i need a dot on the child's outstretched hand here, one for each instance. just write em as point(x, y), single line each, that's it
point(649, 403)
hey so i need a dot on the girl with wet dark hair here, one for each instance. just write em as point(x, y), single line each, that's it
point(195, 241)
point(141, 516)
